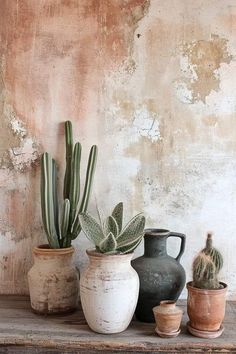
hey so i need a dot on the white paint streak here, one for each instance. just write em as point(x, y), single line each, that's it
point(146, 124)
point(24, 155)
point(183, 93)
point(18, 127)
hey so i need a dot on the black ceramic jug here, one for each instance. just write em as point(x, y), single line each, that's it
point(161, 277)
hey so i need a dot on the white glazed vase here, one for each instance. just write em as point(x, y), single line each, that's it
point(109, 288)
point(53, 281)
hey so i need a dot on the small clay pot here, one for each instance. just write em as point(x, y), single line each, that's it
point(168, 318)
point(53, 281)
point(206, 309)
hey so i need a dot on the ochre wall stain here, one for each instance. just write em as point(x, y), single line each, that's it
point(204, 59)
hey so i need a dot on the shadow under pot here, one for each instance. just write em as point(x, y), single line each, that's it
point(53, 281)
point(161, 276)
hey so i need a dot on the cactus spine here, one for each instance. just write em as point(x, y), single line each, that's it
point(109, 237)
point(62, 229)
point(207, 266)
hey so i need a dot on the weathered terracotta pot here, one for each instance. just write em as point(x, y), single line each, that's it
point(168, 318)
point(53, 281)
point(206, 308)
point(109, 289)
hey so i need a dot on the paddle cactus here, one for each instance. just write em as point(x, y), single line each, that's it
point(109, 237)
point(206, 267)
point(61, 228)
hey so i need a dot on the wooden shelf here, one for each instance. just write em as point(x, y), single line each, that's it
point(22, 331)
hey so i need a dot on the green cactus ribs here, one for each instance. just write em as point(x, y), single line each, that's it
point(110, 237)
point(207, 266)
point(63, 226)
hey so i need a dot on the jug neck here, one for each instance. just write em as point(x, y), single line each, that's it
point(155, 243)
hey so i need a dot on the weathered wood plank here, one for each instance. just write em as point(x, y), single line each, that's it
point(22, 331)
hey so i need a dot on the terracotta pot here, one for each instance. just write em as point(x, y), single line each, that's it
point(53, 281)
point(109, 289)
point(206, 308)
point(168, 318)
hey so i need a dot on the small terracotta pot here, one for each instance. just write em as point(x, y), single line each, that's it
point(206, 308)
point(53, 281)
point(168, 318)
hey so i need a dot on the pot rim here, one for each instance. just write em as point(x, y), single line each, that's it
point(164, 303)
point(94, 254)
point(167, 302)
point(207, 291)
point(45, 250)
point(156, 232)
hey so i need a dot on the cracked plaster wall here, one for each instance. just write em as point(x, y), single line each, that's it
point(150, 82)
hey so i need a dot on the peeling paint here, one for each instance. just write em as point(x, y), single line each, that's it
point(23, 154)
point(200, 66)
point(147, 124)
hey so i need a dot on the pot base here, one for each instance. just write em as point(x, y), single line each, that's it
point(54, 312)
point(205, 334)
point(167, 334)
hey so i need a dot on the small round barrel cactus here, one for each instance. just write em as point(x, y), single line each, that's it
point(206, 267)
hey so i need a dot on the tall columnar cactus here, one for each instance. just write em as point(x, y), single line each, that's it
point(109, 237)
point(206, 267)
point(61, 228)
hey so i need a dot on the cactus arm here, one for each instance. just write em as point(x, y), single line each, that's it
point(76, 228)
point(75, 182)
point(69, 153)
point(65, 218)
point(55, 197)
point(43, 186)
point(51, 212)
point(50, 199)
point(89, 178)
point(47, 200)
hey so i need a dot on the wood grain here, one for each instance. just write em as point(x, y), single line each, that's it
point(22, 331)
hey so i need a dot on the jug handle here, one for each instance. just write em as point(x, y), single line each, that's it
point(183, 242)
